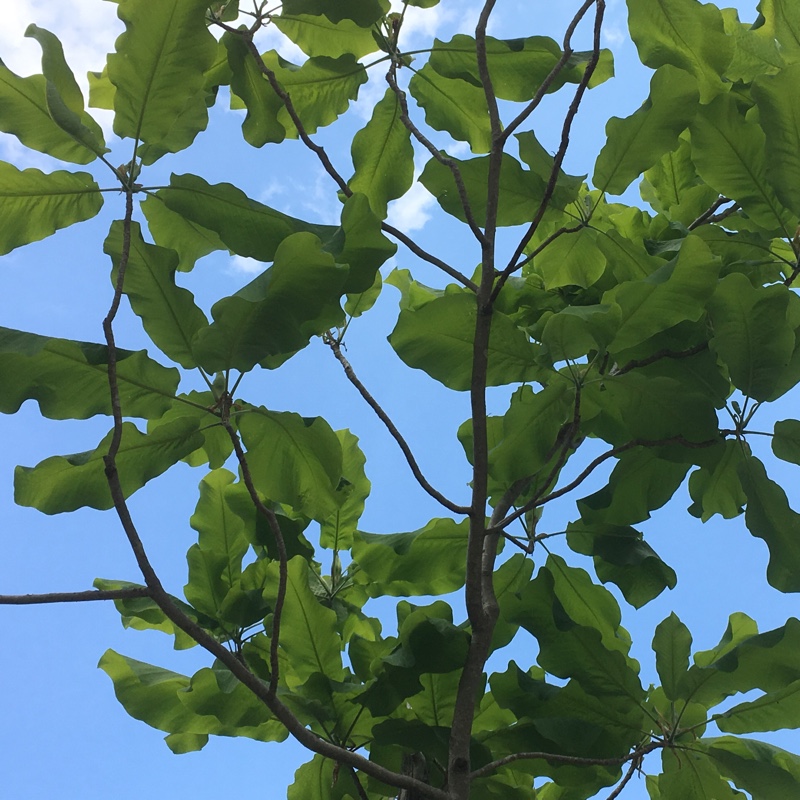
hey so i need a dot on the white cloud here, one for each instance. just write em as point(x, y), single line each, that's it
point(411, 211)
point(246, 266)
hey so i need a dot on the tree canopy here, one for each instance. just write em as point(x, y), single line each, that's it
point(636, 340)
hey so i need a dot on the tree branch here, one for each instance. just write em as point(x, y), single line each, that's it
point(636, 763)
point(336, 349)
point(565, 133)
point(73, 597)
point(636, 363)
point(708, 215)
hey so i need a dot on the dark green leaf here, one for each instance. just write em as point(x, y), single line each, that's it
point(717, 489)
point(786, 440)
point(672, 644)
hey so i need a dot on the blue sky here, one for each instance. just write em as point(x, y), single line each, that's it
point(64, 733)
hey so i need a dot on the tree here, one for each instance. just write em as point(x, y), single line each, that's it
point(643, 338)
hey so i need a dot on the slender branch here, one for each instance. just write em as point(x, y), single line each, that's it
point(280, 543)
point(362, 792)
point(636, 763)
point(565, 133)
point(425, 256)
point(336, 349)
point(444, 160)
point(566, 54)
point(709, 212)
point(636, 363)
point(554, 758)
point(790, 279)
point(73, 597)
point(592, 466)
point(546, 243)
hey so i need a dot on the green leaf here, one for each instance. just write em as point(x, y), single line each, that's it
point(672, 645)
point(729, 153)
point(786, 440)
point(359, 303)
point(174, 232)
point(766, 771)
point(383, 156)
point(215, 562)
point(571, 260)
point(752, 336)
point(274, 315)
point(530, 430)
point(293, 460)
point(24, 113)
point(320, 90)
point(69, 380)
point(180, 743)
point(317, 35)
point(63, 95)
point(438, 339)
point(34, 205)
point(246, 227)
point(168, 312)
point(158, 71)
point(649, 307)
point(517, 67)
point(208, 703)
point(769, 517)
point(686, 34)
point(250, 85)
point(65, 483)
point(638, 141)
point(319, 779)
point(773, 711)
point(622, 557)
point(337, 531)
point(453, 105)
point(308, 629)
point(717, 489)
point(692, 776)
point(428, 561)
point(521, 191)
point(364, 13)
point(779, 115)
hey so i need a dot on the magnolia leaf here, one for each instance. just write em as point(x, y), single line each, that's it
point(317, 35)
point(34, 205)
point(672, 645)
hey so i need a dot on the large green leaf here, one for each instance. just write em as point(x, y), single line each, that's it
point(211, 702)
point(571, 260)
point(63, 95)
point(672, 644)
point(24, 113)
point(317, 35)
point(781, 20)
point(429, 561)
point(294, 460)
point(769, 517)
point(690, 775)
point(786, 440)
point(521, 190)
point(364, 13)
point(716, 487)
point(34, 205)
point(517, 66)
point(752, 335)
point(276, 314)
point(65, 483)
point(773, 711)
point(308, 629)
point(337, 531)
point(455, 106)
point(763, 770)
point(215, 562)
point(729, 153)
point(438, 339)
point(637, 142)
point(319, 779)
point(245, 226)
point(383, 156)
point(530, 428)
point(649, 307)
point(175, 232)
point(168, 312)
point(252, 87)
point(779, 115)
point(69, 380)
point(320, 90)
point(686, 34)
point(158, 71)
point(622, 557)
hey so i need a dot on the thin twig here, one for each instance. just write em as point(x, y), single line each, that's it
point(546, 243)
point(444, 160)
point(578, 761)
point(362, 792)
point(280, 543)
point(592, 466)
point(636, 763)
point(73, 597)
point(336, 349)
point(636, 363)
point(709, 212)
point(558, 160)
